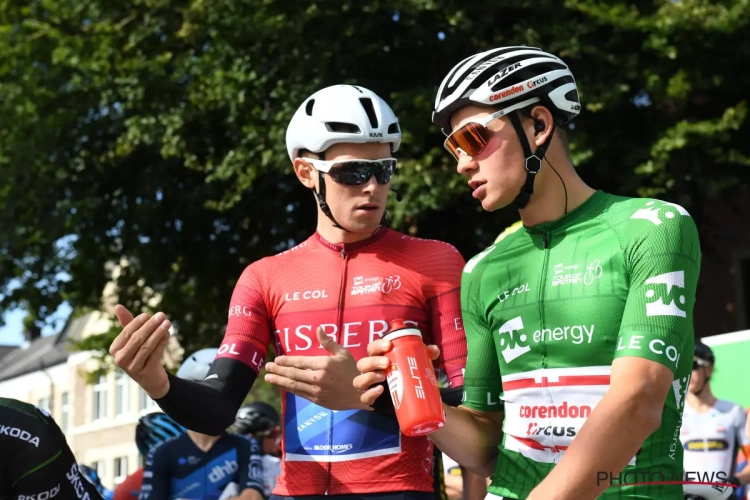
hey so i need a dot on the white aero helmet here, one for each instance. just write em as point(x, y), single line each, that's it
point(341, 113)
point(195, 366)
point(511, 79)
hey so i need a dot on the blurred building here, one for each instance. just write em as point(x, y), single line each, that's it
point(99, 420)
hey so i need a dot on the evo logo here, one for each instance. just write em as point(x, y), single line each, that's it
point(658, 307)
point(221, 472)
point(512, 343)
point(654, 214)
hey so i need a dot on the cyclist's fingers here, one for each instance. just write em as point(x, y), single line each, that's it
point(124, 316)
point(122, 339)
point(149, 346)
point(378, 348)
point(158, 351)
point(307, 376)
point(369, 396)
point(433, 351)
point(372, 364)
point(296, 387)
point(366, 380)
point(303, 362)
point(138, 338)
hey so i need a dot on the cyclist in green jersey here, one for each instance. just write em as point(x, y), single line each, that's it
point(580, 325)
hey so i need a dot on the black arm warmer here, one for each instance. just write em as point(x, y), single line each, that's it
point(209, 406)
point(384, 404)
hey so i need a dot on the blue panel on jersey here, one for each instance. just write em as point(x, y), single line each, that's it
point(355, 434)
point(209, 480)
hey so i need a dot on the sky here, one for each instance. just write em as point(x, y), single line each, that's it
point(12, 332)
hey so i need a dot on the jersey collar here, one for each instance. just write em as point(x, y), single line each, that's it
point(347, 248)
point(583, 212)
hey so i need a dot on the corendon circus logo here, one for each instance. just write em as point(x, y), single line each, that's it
point(537, 430)
point(562, 411)
point(718, 480)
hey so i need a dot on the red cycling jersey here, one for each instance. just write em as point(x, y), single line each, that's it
point(130, 488)
point(352, 291)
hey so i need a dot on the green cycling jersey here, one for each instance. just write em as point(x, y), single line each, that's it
point(547, 310)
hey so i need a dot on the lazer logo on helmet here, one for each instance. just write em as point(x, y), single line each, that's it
point(516, 89)
point(503, 73)
point(538, 81)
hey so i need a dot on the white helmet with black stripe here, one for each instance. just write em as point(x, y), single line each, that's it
point(511, 79)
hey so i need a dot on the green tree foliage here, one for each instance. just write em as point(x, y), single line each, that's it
point(153, 130)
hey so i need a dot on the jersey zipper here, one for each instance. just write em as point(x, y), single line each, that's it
point(540, 298)
point(543, 347)
point(339, 328)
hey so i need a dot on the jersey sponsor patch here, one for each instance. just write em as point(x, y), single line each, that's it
point(515, 342)
point(23, 435)
point(45, 495)
point(706, 445)
point(211, 478)
point(309, 435)
point(669, 291)
point(659, 211)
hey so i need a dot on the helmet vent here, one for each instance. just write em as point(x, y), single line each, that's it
point(309, 107)
point(344, 128)
point(572, 96)
point(370, 110)
point(393, 128)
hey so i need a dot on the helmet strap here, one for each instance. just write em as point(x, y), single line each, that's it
point(320, 194)
point(533, 162)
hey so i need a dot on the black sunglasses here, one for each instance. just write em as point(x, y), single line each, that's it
point(357, 172)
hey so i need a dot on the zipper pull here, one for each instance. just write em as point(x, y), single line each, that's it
point(343, 254)
point(545, 241)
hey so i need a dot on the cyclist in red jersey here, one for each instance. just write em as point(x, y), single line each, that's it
point(321, 303)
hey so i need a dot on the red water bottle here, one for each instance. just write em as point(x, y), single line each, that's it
point(412, 382)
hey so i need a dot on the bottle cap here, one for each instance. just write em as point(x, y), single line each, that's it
point(397, 329)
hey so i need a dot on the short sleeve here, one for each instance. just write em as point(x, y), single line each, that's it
point(663, 262)
point(482, 383)
point(443, 275)
point(248, 333)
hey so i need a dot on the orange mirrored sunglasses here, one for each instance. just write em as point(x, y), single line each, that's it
point(471, 138)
